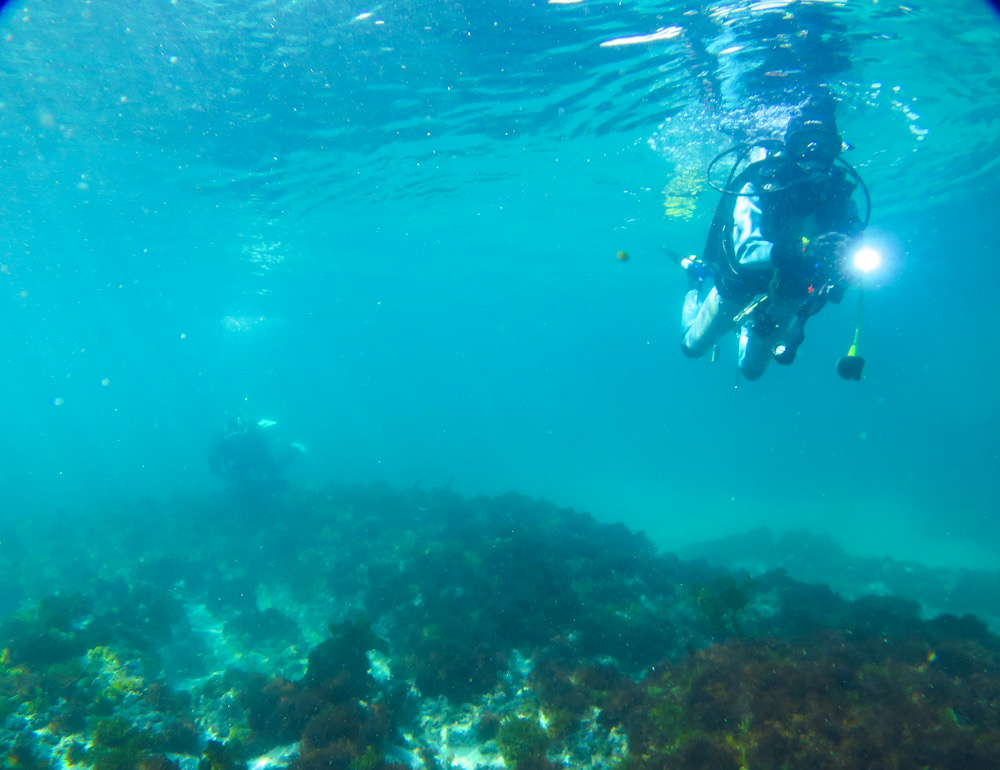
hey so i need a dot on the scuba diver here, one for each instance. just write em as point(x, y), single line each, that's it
point(242, 456)
point(775, 253)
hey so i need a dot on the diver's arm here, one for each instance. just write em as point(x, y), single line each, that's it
point(752, 249)
point(830, 250)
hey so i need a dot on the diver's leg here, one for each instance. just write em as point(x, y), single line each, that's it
point(704, 327)
point(757, 340)
point(755, 353)
point(692, 304)
point(786, 348)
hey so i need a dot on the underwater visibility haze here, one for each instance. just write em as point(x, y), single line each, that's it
point(427, 247)
point(393, 231)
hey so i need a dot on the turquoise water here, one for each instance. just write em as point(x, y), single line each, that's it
point(415, 225)
point(396, 232)
point(395, 235)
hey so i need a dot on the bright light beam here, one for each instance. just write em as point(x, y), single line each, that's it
point(867, 259)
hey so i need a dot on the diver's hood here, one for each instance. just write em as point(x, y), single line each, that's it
point(813, 143)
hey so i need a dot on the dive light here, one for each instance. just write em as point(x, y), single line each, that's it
point(866, 259)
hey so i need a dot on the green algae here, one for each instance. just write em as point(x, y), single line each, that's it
point(620, 645)
point(521, 740)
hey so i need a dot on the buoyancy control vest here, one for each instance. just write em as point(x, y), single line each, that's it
point(788, 196)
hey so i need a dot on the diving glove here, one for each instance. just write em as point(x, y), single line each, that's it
point(827, 249)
